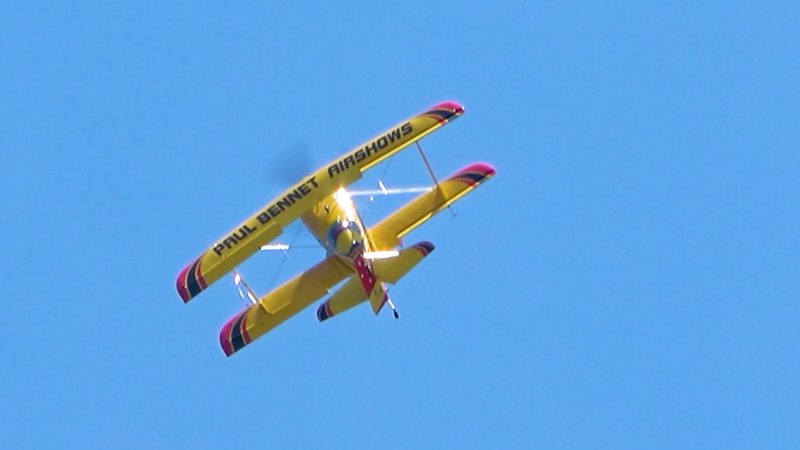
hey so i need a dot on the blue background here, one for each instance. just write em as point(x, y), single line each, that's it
point(628, 280)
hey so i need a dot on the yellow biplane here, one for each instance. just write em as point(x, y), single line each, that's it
point(367, 258)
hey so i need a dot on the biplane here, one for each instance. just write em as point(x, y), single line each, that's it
point(366, 259)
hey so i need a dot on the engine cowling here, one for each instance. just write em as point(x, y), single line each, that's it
point(345, 237)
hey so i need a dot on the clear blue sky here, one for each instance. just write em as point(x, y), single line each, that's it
point(628, 280)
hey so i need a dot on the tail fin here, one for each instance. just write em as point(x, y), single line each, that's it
point(378, 297)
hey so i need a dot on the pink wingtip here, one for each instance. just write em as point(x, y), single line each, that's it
point(181, 285)
point(473, 174)
point(484, 168)
point(454, 106)
point(224, 336)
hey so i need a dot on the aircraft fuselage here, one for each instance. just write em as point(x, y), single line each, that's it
point(337, 226)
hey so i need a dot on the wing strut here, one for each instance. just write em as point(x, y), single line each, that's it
point(394, 309)
point(427, 164)
point(430, 171)
point(247, 293)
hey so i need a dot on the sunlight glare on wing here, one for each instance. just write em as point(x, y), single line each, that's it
point(382, 254)
point(389, 191)
point(275, 247)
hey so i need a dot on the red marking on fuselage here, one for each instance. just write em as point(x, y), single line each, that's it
point(364, 273)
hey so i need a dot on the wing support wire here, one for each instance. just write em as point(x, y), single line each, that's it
point(244, 289)
point(283, 248)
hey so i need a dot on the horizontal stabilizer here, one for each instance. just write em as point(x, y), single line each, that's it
point(388, 270)
point(349, 295)
point(392, 269)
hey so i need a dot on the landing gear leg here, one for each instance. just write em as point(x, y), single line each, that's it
point(394, 310)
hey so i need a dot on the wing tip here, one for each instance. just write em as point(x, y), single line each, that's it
point(190, 281)
point(182, 285)
point(475, 173)
point(445, 111)
point(452, 105)
point(482, 167)
point(225, 337)
point(324, 312)
point(424, 247)
point(233, 336)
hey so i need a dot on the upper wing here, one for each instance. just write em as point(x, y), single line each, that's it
point(281, 304)
point(387, 233)
point(266, 224)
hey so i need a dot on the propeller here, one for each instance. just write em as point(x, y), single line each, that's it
point(290, 165)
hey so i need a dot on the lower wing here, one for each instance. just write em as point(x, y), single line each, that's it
point(387, 233)
point(282, 303)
